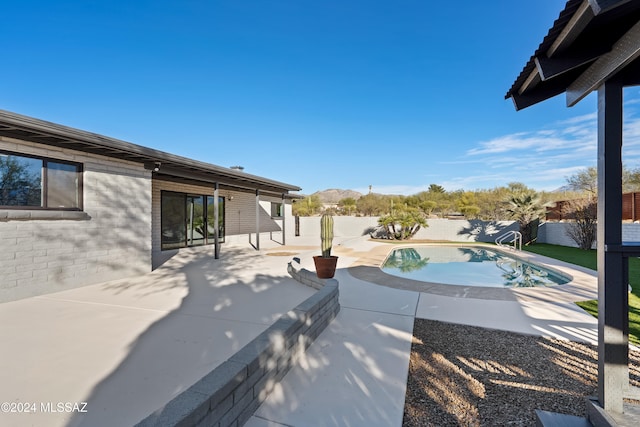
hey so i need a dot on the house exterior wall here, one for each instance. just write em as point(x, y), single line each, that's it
point(47, 251)
point(240, 214)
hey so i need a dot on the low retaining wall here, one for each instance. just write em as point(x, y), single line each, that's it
point(231, 393)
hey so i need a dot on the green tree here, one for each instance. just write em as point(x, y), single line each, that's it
point(492, 203)
point(428, 206)
point(308, 206)
point(403, 224)
point(584, 181)
point(372, 205)
point(467, 205)
point(347, 205)
point(435, 188)
point(630, 180)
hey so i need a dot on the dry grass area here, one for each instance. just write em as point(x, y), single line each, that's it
point(282, 253)
point(469, 376)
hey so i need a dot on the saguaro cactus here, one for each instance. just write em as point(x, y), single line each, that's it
point(326, 235)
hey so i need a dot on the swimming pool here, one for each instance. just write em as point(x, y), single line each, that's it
point(468, 266)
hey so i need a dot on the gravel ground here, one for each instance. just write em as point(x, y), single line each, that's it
point(469, 376)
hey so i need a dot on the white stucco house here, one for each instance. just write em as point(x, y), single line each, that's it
point(78, 208)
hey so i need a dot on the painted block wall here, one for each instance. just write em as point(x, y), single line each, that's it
point(554, 233)
point(241, 218)
point(48, 251)
point(439, 229)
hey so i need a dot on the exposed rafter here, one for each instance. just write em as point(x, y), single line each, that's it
point(622, 53)
point(549, 68)
point(571, 58)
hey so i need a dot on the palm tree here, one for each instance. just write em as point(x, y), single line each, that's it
point(527, 209)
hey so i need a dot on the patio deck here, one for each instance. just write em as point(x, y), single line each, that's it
point(127, 347)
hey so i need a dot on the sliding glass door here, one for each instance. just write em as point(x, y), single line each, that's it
point(211, 219)
point(196, 232)
point(189, 220)
point(173, 218)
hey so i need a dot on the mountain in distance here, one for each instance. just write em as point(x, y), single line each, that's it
point(334, 195)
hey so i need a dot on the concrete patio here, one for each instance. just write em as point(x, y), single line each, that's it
point(127, 347)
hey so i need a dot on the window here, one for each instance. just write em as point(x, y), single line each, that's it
point(277, 210)
point(31, 183)
point(183, 218)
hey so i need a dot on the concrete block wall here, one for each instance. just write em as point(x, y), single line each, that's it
point(343, 226)
point(439, 229)
point(555, 233)
point(631, 232)
point(231, 393)
point(465, 230)
point(48, 251)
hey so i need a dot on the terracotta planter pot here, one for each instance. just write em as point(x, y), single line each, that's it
point(325, 267)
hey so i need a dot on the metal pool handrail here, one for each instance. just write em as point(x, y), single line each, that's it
point(516, 240)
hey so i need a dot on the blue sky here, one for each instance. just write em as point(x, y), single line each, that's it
point(320, 94)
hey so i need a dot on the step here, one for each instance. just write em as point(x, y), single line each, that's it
point(554, 419)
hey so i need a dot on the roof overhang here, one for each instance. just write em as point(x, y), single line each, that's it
point(169, 166)
point(590, 43)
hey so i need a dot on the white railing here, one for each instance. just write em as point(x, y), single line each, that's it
point(516, 240)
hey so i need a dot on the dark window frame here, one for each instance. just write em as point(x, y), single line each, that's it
point(277, 210)
point(208, 239)
point(45, 182)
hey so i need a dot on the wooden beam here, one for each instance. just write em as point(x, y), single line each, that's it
point(530, 82)
point(613, 329)
point(572, 30)
point(623, 52)
point(523, 101)
point(551, 67)
point(601, 6)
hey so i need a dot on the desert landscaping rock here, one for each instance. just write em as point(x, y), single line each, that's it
point(469, 376)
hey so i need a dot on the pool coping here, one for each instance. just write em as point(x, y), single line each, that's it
point(583, 284)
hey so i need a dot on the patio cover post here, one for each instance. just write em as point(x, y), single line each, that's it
point(258, 220)
point(216, 220)
point(613, 328)
point(284, 220)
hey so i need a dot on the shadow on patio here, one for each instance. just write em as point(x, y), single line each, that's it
point(219, 306)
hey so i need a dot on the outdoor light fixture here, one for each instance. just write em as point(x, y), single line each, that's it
point(156, 166)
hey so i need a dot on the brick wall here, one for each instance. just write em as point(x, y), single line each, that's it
point(48, 251)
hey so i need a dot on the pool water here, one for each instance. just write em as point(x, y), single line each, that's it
point(468, 266)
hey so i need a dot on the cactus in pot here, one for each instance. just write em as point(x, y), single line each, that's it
point(326, 235)
point(326, 263)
